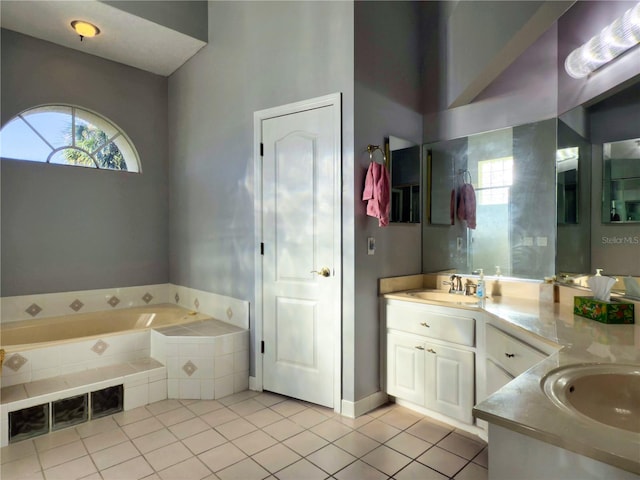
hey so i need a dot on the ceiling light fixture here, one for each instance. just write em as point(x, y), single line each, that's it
point(85, 29)
point(615, 39)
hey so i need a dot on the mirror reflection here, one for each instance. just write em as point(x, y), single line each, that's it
point(573, 167)
point(512, 172)
point(621, 181)
point(404, 169)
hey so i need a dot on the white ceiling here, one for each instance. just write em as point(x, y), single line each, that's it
point(123, 38)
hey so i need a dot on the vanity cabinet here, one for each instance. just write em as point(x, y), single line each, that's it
point(430, 358)
point(506, 358)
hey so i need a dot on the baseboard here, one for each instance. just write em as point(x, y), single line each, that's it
point(364, 405)
point(253, 384)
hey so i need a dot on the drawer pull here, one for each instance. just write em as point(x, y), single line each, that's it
point(510, 355)
point(420, 347)
point(425, 324)
point(431, 350)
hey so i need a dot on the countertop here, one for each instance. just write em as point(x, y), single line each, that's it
point(522, 405)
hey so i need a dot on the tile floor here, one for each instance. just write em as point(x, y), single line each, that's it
point(248, 436)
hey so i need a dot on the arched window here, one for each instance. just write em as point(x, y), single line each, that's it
point(66, 135)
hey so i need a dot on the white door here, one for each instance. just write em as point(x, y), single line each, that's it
point(300, 264)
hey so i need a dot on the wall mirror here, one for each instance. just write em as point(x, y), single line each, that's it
point(404, 170)
point(621, 181)
point(573, 196)
point(442, 158)
point(513, 172)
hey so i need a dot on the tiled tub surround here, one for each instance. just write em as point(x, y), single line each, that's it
point(28, 307)
point(521, 406)
point(205, 359)
point(38, 349)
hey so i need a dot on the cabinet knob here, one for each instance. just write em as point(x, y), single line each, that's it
point(431, 350)
point(420, 347)
point(510, 355)
point(425, 324)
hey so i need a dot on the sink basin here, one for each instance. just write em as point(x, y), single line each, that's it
point(440, 296)
point(605, 393)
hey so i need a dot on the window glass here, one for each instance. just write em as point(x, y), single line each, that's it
point(65, 135)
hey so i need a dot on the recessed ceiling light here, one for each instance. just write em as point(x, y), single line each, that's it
point(85, 29)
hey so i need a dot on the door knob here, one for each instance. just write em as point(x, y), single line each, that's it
point(324, 272)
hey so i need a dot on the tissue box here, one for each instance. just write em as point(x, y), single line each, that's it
point(604, 312)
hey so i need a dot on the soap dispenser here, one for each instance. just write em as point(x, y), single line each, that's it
point(480, 289)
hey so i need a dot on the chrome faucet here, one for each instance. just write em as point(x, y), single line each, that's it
point(455, 284)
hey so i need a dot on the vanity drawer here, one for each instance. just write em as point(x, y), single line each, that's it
point(433, 324)
point(511, 354)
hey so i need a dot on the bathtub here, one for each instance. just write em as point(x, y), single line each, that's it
point(154, 352)
point(38, 333)
point(49, 347)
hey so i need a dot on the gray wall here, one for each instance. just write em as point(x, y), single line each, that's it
point(260, 55)
point(534, 87)
point(69, 228)
point(188, 17)
point(388, 64)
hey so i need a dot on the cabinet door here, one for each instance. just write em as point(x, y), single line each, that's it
point(405, 368)
point(496, 377)
point(449, 381)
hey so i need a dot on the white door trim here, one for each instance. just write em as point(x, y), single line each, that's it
point(335, 101)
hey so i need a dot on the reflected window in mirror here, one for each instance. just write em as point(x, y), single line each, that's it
point(621, 181)
point(404, 170)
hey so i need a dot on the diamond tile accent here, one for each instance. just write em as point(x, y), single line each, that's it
point(147, 297)
point(15, 362)
point(100, 347)
point(33, 309)
point(189, 368)
point(177, 297)
point(196, 302)
point(229, 313)
point(76, 305)
point(113, 301)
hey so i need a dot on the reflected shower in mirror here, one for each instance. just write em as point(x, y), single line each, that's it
point(513, 173)
point(573, 202)
point(404, 169)
point(621, 181)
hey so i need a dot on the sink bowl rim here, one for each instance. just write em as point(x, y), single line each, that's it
point(447, 298)
point(555, 382)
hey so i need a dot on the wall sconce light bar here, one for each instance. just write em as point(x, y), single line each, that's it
point(615, 39)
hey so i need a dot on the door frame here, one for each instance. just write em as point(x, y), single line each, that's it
point(335, 101)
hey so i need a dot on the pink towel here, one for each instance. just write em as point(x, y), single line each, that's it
point(376, 193)
point(467, 205)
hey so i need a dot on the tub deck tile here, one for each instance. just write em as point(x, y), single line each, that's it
point(13, 393)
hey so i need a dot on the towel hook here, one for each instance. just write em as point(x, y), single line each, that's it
point(372, 148)
point(465, 173)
